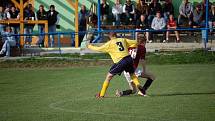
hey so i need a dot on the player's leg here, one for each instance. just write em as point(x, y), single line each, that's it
point(137, 83)
point(130, 68)
point(132, 87)
point(105, 84)
point(115, 69)
point(130, 82)
point(150, 78)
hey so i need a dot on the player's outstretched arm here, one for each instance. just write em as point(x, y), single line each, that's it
point(103, 48)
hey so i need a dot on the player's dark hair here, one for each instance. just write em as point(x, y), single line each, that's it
point(52, 6)
point(112, 34)
point(141, 39)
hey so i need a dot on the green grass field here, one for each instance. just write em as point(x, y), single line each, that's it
point(180, 93)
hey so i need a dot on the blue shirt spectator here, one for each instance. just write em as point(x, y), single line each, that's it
point(8, 41)
point(1, 18)
point(158, 22)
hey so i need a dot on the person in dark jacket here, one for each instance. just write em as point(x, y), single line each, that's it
point(104, 11)
point(142, 24)
point(168, 9)
point(129, 12)
point(82, 20)
point(29, 15)
point(13, 14)
point(41, 15)
point(53, 20)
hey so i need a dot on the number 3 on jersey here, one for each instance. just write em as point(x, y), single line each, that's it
point(120, 46)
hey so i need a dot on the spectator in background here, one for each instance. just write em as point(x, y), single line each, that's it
point(28, 29)
point(142, 8)
point(212, 18)
point(158, 23)
point(198, 17)
point(92, 21)
point(41, 15)
point(168, 9)
point(13, 14)
point(53, 20)
point(142, 24)
point(1, 18)
point(82, 19)
point(8, 40)
point(104, 11)
point(185, 11)
point(203, 7)
point(6, 12)
point(153, 8)
point(129, 11)
point(171, 25)
point(117, 12)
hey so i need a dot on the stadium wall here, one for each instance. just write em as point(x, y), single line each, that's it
point(67, 13)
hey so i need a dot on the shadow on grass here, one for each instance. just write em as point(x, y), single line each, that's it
point(183, 94)
point(162, 95)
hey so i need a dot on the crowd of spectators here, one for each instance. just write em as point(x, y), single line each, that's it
point(10, 12)
point(157, 16)
point(154, 16)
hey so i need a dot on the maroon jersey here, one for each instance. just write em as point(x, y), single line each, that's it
point(137, 54)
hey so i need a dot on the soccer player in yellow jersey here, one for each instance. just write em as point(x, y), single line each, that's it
point(117, 48)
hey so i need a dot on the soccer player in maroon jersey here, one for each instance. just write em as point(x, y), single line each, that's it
point(138, 55)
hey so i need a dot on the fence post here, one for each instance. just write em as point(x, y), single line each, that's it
point(59, 44)
point(99, 18)
point(72, 40)
point(206, 25)
point(46, 42)
point(21, 24)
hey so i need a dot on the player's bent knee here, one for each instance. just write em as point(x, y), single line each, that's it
point(110, 76)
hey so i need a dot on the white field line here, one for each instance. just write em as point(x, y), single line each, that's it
point(56, 106)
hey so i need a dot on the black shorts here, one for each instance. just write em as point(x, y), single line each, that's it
point(126, 64)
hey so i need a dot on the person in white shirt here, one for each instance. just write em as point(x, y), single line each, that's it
point(117, 12)
point(158, 23)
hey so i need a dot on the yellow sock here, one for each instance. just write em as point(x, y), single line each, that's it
point(104, 88)
point(135, 80)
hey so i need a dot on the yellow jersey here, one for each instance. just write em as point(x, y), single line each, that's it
point(117, 48)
